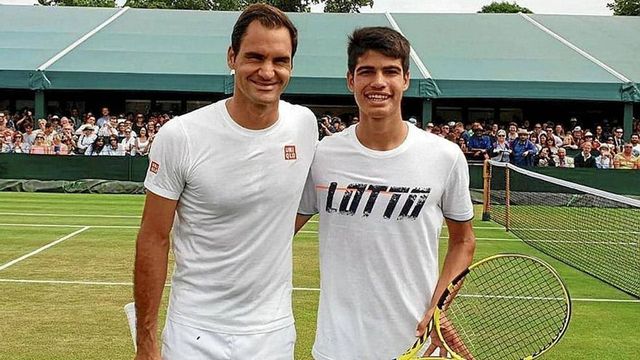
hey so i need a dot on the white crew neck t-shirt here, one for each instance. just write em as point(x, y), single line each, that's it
point(381, 213)
point(238, 191)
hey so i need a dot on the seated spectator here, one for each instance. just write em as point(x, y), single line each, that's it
point(501, 150)
point(122, 127)
point(524, 150)
point(600, 135)
point(39, 147)
point(635, 142)
point(542, 141)
point(65, 124)
point(49, 133)
point(550, 143)
point(138, 124)
point(550, 135)
point(85, 140)
point(595, 143)
point(89, 122)
point(605, 159)
point(113, 148)
point(463, 146)
point(429, 127)
point(513, 132)
point(142, 143)
point(559, 131)
point(6, 141)
point(625, 159)
point(69, 142)
point(618, 141)
point(58, 147)
point(585, 159)
point(29, 134)
point(562, 160)
point(19, 145)
point(23, 120)
point(612, 146)
point(109, 128)
point(129, 143)
point(96, 148)
point(444, 131)
point(478, 144)
point(568, 142)
point(544, 158)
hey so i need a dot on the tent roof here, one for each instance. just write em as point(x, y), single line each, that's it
point(465, 55)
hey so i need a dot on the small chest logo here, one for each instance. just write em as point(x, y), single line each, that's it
point(154, 167)
point(290, 152)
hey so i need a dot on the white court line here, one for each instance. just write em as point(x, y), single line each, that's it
point(105, 283)
point(43, 248)
point(71, 225)
point(137, 227)
point(72, 215)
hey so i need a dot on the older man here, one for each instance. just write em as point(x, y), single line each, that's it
point(562, 160)
point(523, 149)
point(585, 159)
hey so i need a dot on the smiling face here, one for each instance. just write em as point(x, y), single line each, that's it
point(262, 65)
point(378, 83)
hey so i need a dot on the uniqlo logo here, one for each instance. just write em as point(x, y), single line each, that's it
point(154, 167)
point(289, 152)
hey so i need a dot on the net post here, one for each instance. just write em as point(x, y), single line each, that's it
point(507, 198)
point(486, 204)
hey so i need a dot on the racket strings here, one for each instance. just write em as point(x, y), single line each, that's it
point(507, 308)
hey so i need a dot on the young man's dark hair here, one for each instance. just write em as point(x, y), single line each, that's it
point(384, 40)
point(269, 17)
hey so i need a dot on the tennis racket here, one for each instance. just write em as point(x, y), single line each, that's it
point(507, 306)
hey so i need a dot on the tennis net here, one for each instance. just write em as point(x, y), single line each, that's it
point(594, 231)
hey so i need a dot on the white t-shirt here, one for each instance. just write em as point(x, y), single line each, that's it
point(381, 213)
point(238, 192)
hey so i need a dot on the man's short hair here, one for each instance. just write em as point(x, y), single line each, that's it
point(384, 40)
point(269, 17)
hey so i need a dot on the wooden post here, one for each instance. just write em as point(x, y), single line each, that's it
point(486, 191)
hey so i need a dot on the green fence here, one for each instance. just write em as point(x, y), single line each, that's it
point(51, 167)
point(133, 169)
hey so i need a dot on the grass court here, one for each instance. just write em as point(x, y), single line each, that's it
point(66, 265)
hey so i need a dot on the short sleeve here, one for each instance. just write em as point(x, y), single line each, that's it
point(456, 199)
point(166, 175)
point(308, 203)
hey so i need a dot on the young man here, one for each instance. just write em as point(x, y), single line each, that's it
point(232, 174)
point(382, 189)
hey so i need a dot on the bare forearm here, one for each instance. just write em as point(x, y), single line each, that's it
point(459, 256)
point(149, 278)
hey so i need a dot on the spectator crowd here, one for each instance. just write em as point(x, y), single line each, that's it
point(75, 134)
point(543, 144)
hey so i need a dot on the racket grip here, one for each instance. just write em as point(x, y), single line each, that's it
point(130, 311)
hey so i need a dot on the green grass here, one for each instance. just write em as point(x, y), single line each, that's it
point(40, 320)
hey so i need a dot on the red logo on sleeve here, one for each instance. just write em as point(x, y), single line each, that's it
point(290, 152)
point(154, 167)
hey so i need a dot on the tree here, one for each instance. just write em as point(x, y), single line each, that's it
point(625, 7)
point(345, 6)
point(89, 3)
point(284, 5)
point(504, 7)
